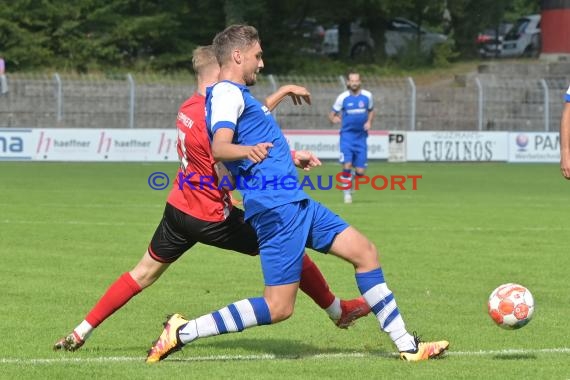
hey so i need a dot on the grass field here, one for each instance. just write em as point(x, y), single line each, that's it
point(68, 230)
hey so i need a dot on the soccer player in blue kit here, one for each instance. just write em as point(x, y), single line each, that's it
point(354, 110)
point(248, 139)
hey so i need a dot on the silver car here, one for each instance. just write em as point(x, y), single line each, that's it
point(523, 39)
point(400, 33)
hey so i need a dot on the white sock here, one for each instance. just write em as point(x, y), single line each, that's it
point(334, 310)
point(84, 329)
point(190, 332)
point(405, 342)
point(384, 307)
point(233, 318)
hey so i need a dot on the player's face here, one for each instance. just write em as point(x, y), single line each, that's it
point(253, 63)
point(353, 82)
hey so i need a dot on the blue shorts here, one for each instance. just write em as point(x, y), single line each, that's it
point(285, 231)
point(354, 151)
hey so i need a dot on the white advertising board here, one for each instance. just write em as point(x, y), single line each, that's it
point(82, 144)
point(456, 146)
point(534, 147)
point(325, 143)
point(16, 144)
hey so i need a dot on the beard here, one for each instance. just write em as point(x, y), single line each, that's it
point(250, 80)
point(355, 87)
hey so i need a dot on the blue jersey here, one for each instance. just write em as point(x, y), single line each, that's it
point(567, 96)
point(354, 110)
point(272, 182)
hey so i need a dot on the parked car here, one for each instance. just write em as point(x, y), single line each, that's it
point(400, 32)
point(309, 34)
point(523, 39)
point(490, 41)
point(361, 43)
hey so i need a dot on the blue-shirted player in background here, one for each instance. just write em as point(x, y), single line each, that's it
point(286, 219)
point(354, 109)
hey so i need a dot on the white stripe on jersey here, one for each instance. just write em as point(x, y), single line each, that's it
point(227, 103)
point(337, 106)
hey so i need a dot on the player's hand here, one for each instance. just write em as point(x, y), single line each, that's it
point(298, 94)
point(259, 152)
point(306, 160)
point(367, 126)
point(565, 165)
point(336, 119)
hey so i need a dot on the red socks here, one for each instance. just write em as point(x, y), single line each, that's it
point(314, 284)
point(118, 294)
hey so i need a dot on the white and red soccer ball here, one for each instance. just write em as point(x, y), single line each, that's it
point(511, 306)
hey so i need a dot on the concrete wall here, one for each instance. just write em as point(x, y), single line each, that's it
point(513, 99)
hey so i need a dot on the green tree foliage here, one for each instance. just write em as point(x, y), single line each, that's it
point(86, 35)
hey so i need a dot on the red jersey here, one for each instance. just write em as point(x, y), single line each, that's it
point(196, 166)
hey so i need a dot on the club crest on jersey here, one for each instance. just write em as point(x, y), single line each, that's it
point(361, 104)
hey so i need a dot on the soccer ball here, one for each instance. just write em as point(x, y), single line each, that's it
point(511, 306)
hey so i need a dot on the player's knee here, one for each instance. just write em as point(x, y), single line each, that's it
point(280, 312)
point(368, 257)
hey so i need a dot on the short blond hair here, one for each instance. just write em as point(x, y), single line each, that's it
point(234, 37)
point(202, 57)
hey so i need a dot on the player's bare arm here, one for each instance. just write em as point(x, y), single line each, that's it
point(334, 117)
point(368, 124)
point(565, 141)
point(224, 150)
point(297, 93)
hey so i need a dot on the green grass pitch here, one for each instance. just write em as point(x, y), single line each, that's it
point(68, 230)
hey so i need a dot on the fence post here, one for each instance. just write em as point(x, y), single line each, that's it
point(342, 82)
point(58, 98)
point(273, 83)
point(412, 104)
point(131, 100)
point(546, 105)
point(479, 104)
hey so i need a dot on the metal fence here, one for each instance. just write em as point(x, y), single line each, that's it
point(481, 102)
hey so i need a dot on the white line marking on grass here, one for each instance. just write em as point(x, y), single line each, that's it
point(339, 355)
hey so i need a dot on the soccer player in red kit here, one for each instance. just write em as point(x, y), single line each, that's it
point(195, 212)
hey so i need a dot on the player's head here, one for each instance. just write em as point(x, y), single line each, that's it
point(353, 81)
point(206, 67)
point(238, 47)
point(204, 61)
